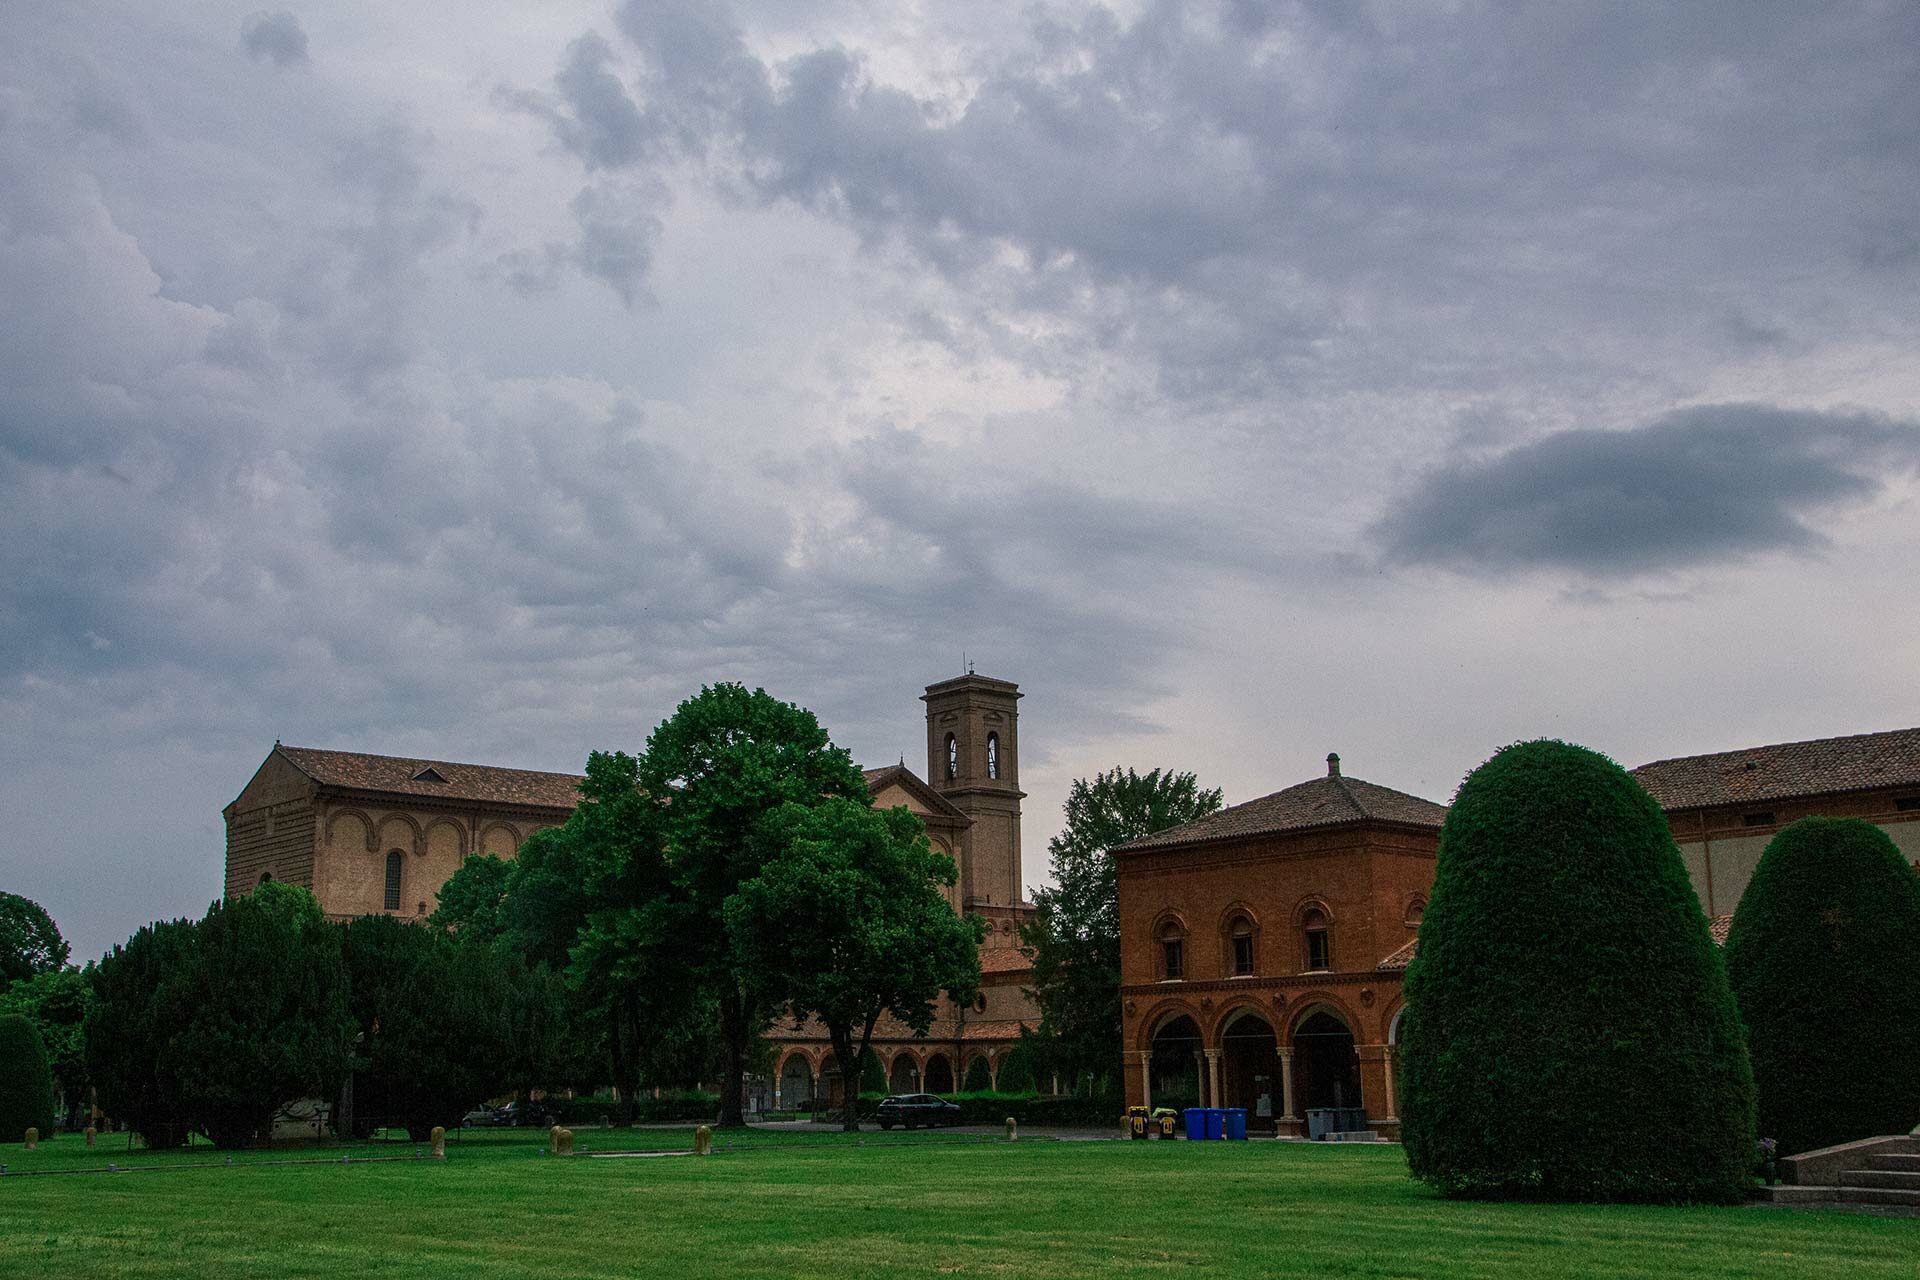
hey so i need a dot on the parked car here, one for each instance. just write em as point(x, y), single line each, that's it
point(910, 1109)
point(516, 1113)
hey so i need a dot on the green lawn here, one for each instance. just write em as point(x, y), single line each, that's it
point(781, 1204)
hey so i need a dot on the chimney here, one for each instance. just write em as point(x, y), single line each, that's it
point(1333, 764)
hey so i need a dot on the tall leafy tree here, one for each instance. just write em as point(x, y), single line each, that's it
point(1824, 957)
point(57, 1003)
point(30, 942)
point(139, 1003)
point(848, 921)
point(1569, 1032)
point(266, 1017)
point(26, 1085)
point(721, 768)
point(1074, 936)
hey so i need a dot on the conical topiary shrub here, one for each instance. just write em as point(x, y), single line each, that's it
point(26, 1082)
point(1569, 1030)
point(1824, 958)
point(1016, 1071)
point(979, 1076)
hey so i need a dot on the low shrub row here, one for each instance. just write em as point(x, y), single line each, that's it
point(668, 1109)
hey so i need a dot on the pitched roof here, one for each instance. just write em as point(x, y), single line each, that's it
point(1323, 802)
point(1785, 770)
point(899, 775)
point(1004, 960)
point(396, 775)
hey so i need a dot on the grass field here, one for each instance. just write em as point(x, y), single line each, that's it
point(817, 1204)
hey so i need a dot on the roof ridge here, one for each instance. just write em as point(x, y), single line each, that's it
point(1776, 746)
point(420, 760)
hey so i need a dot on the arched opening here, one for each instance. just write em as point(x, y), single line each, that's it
point(1319, 945)
point(953, 757)
point(1176, 1063)
point(266, 877)
point(993, 755)
point(395, 861)
point(833, 1089)
point(796, 1084)
point(1250, 1069)
point(1241, 949)
point(1326, 1070)
point(1173, 951)
point(939, 1074)
point(905, 1075)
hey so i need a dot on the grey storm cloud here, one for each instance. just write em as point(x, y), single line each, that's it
point(275, 36)
point(1700, 485)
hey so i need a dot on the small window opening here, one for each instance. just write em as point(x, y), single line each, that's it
point(993, 755)
point(1908, 804)
point(428, 774)
point(953, 757)
point(394, 863)
point(1757, 819)
point(1172, 955)
point(266, 877)
point(1242, 950)
point(1319, 954)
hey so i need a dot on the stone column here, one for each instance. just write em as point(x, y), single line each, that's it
point(1145, 1057)
point(1200, 1076)
point(1286, 1087)
point(1213, 1077)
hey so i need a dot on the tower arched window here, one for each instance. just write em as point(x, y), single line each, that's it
point(394, 863)
point(1240, 946)
point(993, 755)
point(1319, 947)
point(1173, 952)
point(953, 757)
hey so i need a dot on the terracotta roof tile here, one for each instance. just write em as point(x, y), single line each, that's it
point(1785, 770)
point(1323, 802)
point(1718, 927)
point(1403, 957)
point(1004, 960)
point(396, 775)
point(1000, 1029)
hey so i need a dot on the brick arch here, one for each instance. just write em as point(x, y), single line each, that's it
point(811, 1059)
point(1235, 912)
point(513, 835)
point(459, 833)
point(365, 820)
point(1305, 1006)
point(1309, 903)
point(419, 837)
point(1164, 1012)
point(1414, 911)
point(1214, 1035)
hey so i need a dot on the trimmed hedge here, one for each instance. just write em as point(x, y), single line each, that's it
point(1569, 1030)
point(1824, 958)
point(987, 1107)
point(26, 1082)
point(673, 1108)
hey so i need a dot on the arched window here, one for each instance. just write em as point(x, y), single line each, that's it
point(394, 863)
point(1173, 952)
point(1240, 946)
point(1415, 910)
point(1319, 950)
point(993, 755)
point(266, 877)
point(953, 757)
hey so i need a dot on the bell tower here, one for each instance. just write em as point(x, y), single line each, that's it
point(973, 759)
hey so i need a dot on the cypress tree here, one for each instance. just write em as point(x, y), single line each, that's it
point(26, 1082)
point(979, 1076)
point(1824, 958)
point(1016, 1073)
point(1569, 1030)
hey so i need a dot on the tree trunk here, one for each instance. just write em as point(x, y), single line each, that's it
point(841, 1038)
point(734, 1031)
point(622, 1061)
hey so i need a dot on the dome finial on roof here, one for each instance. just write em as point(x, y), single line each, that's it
point(1333, 764)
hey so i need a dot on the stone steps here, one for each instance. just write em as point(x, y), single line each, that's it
point(1895, 1163)
point(1880, 1195)
point(1890, 1180)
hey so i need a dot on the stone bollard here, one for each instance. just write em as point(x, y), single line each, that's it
point(563, 1142)
point(703, 1141)
point(1013, 1129)
point(439, 1139)
point(33, 1139)
point(91, 1132)
point(553, 1140)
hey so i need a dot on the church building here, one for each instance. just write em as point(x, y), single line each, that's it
point(371, 834)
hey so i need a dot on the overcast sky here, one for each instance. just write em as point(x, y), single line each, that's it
point(1247, 381)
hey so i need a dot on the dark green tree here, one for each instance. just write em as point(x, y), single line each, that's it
point(1824, 958)
point(1569, 1032)
point(721, 768)
point(1016, 1071)
point(473, 901)
point(26, 1083)
point(848, 921)
point(57, 1003)
point(266, 1021)
point(435, 1019)
point(140, 1002)
point(30, 942)
point(979, 1076)
point(1074, 936)
point(873, 1076)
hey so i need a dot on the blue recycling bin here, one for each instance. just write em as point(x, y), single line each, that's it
point(1236, 1124)
point(1196, 1124)
point(1216, 1123)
